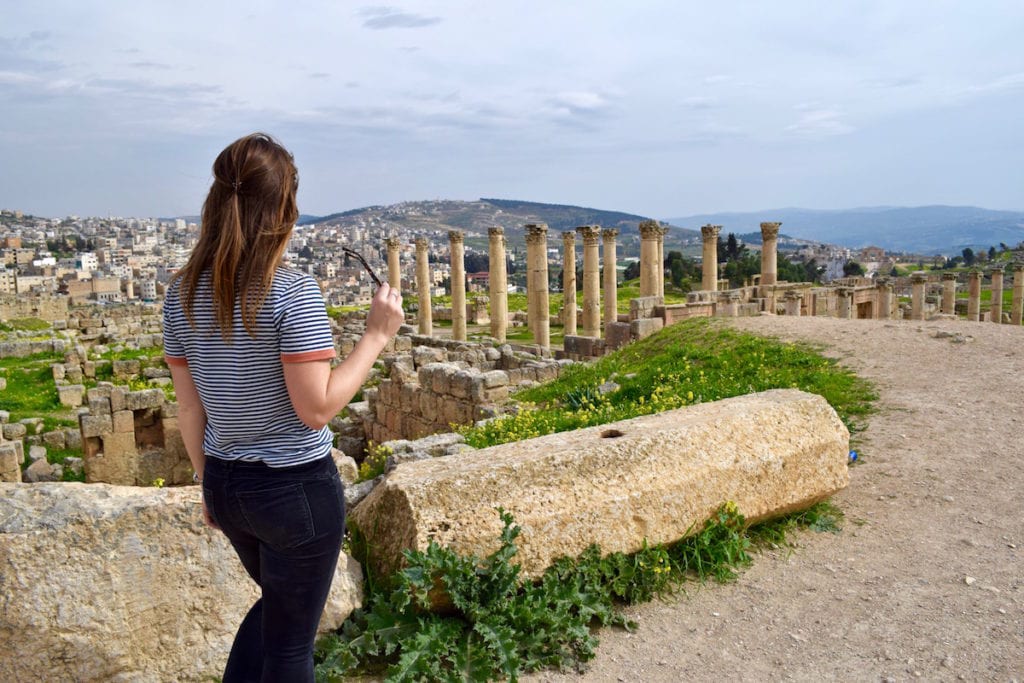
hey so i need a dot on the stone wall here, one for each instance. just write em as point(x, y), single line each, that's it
point(132, 438)
point(440, 382)
point(45, 307)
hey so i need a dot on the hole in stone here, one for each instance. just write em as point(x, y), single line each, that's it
point(611, 434)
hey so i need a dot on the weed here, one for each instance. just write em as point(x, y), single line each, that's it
point(374, 462)
point(499, 627)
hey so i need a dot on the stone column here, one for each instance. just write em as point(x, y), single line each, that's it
point(591, 281)
point(709, 270)
point(649, 258)
point(394, 267)
point(537, 283)
point(426, 315)
point(845, 303)
point(611, 282)
point(732, 304)
point(569, 282)
point(458, 259)
point(918, 280)
point(1017, 307)
point(498, 284)
point(996, 307)
point(883, 299)
point(792, 300)
point(949, 293)
point(662, 231)
point(974, 296)
point(769, 253)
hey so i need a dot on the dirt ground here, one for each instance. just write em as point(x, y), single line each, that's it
point(926, 580)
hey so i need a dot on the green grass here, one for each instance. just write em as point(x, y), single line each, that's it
point(24, 324)
point(147, 354)
point(30, 389)
point(690, 362)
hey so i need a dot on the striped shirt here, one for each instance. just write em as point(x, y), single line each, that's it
point(249, 415)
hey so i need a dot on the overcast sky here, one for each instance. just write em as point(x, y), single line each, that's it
point(658, 108)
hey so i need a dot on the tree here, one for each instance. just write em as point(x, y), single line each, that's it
point(991, 253)
point(476, 262)
point(968, 255)
point(632, 271)
point(852, 268)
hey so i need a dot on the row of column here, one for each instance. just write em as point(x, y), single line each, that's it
point(709, 260)
point(651, 280)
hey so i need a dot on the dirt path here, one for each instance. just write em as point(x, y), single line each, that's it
point(926, 579)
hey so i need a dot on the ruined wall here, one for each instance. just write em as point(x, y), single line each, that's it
point(44, 307)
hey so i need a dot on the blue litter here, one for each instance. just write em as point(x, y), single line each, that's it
point(853, 456)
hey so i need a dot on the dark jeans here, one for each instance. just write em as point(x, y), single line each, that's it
point(286, 524)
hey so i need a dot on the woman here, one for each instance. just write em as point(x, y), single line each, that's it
point(249, 345)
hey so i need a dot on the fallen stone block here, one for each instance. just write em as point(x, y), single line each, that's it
point(652, 478)
point(135, 587)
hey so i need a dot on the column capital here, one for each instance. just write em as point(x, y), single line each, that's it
point(536, 233)
point(495, 232)
point(569, 237)
point(455, 236)
point(996, 268)
point(649, 230)
point(949, 276)
point(918, 277)
point(974, 273)
point(393, 242)
point(590, 233)
point(710, 232)
point(609, 235)
point(882, 281)
point(422, 244)
point(769, 230)
point(1018, 268)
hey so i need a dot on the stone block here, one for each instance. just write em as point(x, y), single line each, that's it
point(116, 462)
point(617, 335)
point(644, 306)
point(653, 478)
point(123, 421)
point(36, 453)
point(645, 327)
point(73, 373)
point(495, 378)
point(14, 431)
point(99, 406)
point(168, 410)
point(347, 467)
point(117, 395)
point(89, 368)
point(424, 355)
point(95, 425)
point(10, 463)
point(55, 439)
point(71, 395)
point(72, 438)
point(147, 398)
point(58, 371)
point(164, 600)
point(40, 470)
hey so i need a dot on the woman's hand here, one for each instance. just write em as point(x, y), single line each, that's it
point(386, 314)
point(207, 517)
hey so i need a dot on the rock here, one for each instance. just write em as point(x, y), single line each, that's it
point(651, 478)
point(40, 470)
point(397, 459)
point(55, 439)
point(37, 453)
point(14, 431)
point(71, 395)
point(74, 464)
point(136, 587)
point(351, 446)
point(10, 463)
point(347, 467)
point(355, 493)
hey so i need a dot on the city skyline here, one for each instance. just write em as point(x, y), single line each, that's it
point(655, 109)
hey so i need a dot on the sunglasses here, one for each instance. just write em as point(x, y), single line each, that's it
point(357, 256)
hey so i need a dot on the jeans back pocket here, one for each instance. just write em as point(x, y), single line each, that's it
point(280, 516)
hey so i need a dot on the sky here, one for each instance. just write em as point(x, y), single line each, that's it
point(663, 109)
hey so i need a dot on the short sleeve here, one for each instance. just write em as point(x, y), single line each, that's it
point(303, 325)
point(174, 350)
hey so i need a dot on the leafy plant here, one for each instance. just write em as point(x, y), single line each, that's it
point(494, 626)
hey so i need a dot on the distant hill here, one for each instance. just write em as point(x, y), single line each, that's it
point(922, 230)
point(487, 213)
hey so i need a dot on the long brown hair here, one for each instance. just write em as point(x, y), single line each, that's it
point(247, 218)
